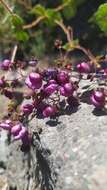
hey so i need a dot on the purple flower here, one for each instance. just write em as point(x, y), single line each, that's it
point(50, 73)
point(98, 98)
point(49, 111)
point(34, 81)
point(16, 129)
point(19, 132)
point(5, 64)
point(7, 125)
point(50, 89)
point(27, 109)
point(62, 77)
point(22, 133)
point(83, 67)
point(67, 89)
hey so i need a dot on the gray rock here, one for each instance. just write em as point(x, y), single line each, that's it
point(71, 154)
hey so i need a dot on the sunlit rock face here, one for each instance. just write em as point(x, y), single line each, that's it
point(70, 154)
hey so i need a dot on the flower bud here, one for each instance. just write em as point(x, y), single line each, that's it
point(34, 81)
point(83, 67)
point(49, 111)
point(67, 89)
point(21, 133)
point(6, 64)
point(51, 89)
point(27, 109)
point(7, 125)
point(99, 95)
point(98, 99)
point(16, 129)
point(62, 77)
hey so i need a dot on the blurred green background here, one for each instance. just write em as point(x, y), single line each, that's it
point(88, 18)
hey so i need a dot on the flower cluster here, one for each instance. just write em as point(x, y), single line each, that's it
point(49, 91)
point(49, 87)
point(17, 130)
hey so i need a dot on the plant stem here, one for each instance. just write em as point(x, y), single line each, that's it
point(14, 53)
point(60, 7)
point(86, 52)
point(66, 31)
point(6, 6)
point(34, 23)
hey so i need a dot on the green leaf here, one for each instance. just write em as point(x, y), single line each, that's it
point(66, 2)
point(38, 10)
point(100, 17)
point(71, 46)
point(17, 20)
point(101, 12)
point(69, 12)
point(52, 16)
point(70, 9)
point(21, 35)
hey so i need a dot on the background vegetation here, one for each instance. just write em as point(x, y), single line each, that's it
point(34, 25)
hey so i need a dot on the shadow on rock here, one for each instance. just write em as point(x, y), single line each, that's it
point(53, 122)
point(45, 175)
point(71, 107)
point(85, 97)
point(2, 165)
point(99, 112)
point(12, 188)
point(70, 110)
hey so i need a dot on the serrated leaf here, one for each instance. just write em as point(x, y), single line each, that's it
point(22, 36)
point(38, 10)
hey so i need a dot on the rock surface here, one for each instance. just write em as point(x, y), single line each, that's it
point(70, 154)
